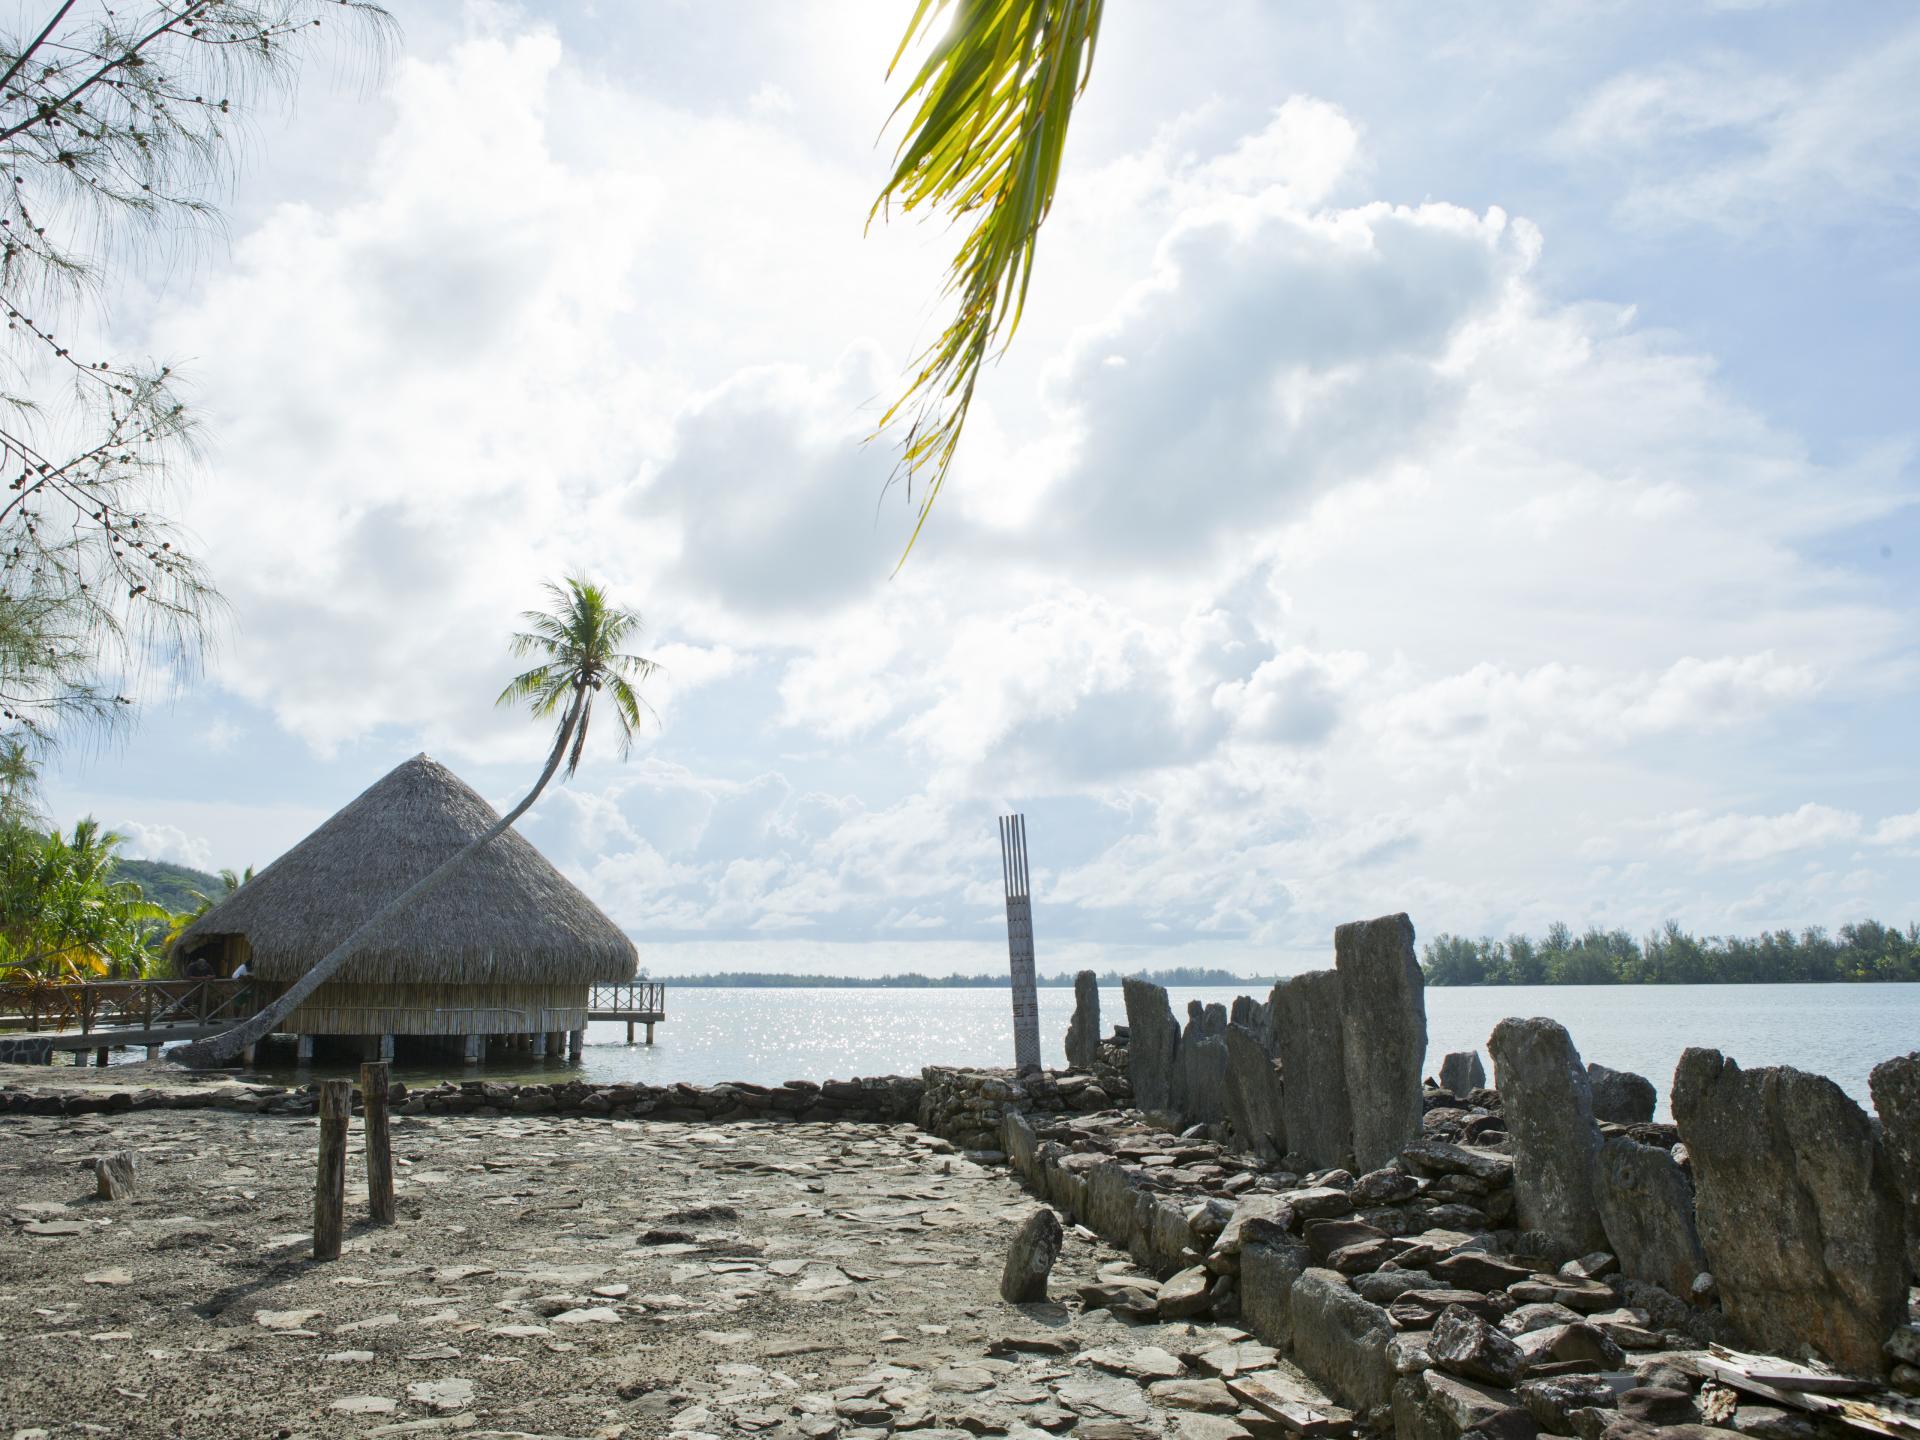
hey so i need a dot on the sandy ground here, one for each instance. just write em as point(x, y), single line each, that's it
point(554, 1277)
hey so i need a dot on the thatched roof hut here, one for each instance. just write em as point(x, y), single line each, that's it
point(507, 944)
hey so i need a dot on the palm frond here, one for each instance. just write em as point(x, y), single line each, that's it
point(984, 143)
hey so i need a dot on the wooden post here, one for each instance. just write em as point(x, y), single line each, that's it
point(629, 1032)
point(373, 1106)
point(649, 1032)
point(100, 1057)
point(330, 1178)
point(474, 1050)
point(576, 1040)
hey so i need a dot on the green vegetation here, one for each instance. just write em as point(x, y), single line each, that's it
point(1864, 951)
point(117, 127)
point(65, 914)
point(758, 979)
point(988, 115)
point(174, 888)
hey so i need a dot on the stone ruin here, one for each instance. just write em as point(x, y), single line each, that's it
point(1454, 1257)
point(1352, 1038)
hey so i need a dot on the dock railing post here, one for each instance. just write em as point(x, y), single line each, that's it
point(330, 1177)
point(374, 1079)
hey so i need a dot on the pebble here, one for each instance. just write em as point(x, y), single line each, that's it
point(284, 1319)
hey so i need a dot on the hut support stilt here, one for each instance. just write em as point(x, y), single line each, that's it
point(649, 1032)
point(303, 1049)
point(246, 1055)
point(153, 1052)
point(100, 1057)
point(474, 1050)
point(629, 1032)
point(380, 1047)
point(576, 1042)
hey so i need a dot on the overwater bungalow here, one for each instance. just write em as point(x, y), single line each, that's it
point(505, 950)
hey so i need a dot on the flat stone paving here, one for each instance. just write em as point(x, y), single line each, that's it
point(561, 1277)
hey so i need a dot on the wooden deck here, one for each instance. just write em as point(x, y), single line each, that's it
point(38, 1018)
point(638, 1002)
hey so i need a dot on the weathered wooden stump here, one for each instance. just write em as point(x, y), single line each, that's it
point(330, 1178)
point(373, 1102)
point(115, 1174)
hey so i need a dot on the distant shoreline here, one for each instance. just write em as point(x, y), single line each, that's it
point(1213, 979)
point(768, 980)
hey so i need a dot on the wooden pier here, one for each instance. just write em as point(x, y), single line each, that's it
point(39, 1018)
point(638, 1002)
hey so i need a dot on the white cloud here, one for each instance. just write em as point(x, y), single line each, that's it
point(1310, 556)
point(1743, 839)
point(164, 842)
point(1738, 143)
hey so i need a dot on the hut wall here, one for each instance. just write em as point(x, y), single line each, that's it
point(424, 1009)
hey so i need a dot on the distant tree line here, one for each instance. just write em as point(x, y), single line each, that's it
point(1863, 951)
point(758, 979)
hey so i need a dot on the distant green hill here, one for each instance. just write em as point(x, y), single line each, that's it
point(167, 885)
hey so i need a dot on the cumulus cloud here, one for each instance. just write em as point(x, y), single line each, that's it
point(1311, 556)
point(164, 842)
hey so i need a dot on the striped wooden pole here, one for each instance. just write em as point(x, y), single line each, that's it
point(1026, 997)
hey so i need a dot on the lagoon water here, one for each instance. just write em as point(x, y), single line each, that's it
point(769, 1035)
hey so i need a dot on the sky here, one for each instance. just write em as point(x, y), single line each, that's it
point(1455, 459)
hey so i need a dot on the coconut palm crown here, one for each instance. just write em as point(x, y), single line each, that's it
point(579, 642)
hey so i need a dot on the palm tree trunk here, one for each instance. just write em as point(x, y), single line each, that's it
point(217, 1049)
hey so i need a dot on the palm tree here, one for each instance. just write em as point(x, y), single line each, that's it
point(578, 642)
point(984, 144)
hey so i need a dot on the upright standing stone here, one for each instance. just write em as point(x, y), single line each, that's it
point(1548, 1106)
point(1313, 1067)
point(1620, 1095)
point(1251, 1013)
point(1798, 1209)
point(1153, 1044)
point(1461, 1073)
point(1253, 1095)
point(1083, 1031)
point(1646, 1207)
point(1896, 1097)
point(1200, 1095)
point(1036, 1245)
point(1383, 1009)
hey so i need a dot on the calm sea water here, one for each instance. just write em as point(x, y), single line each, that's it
point(768, 1036)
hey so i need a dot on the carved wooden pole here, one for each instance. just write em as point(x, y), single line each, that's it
point(373, 1105)
point(330, 1179)
point(1026, 999)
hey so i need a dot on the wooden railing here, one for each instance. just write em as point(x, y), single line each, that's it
point(632, 997)
point(122, 1004)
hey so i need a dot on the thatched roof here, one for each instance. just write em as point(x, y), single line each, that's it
point(506, 915)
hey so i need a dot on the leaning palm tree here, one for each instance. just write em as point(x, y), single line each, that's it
point(578, 644)
point(983, 144)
